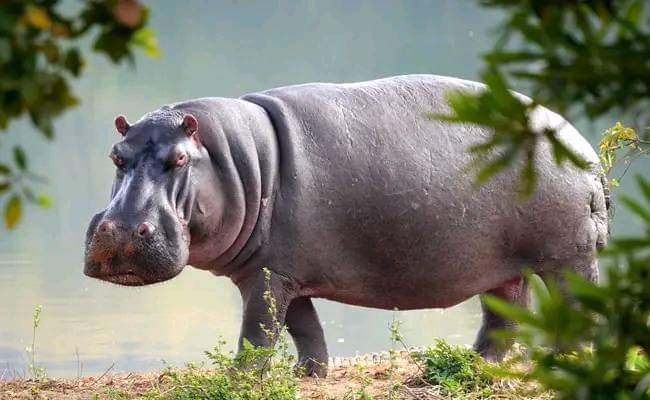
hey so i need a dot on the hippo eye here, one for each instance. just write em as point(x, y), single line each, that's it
point(180, 160)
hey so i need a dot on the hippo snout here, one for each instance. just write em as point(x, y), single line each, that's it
point(132, 254)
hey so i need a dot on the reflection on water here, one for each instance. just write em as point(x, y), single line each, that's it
point(226, 51)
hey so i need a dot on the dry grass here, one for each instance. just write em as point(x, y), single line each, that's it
point(343, 383)
point(107, 387)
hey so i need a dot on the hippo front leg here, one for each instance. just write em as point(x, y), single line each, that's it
point(257, 311)
point(305, 328)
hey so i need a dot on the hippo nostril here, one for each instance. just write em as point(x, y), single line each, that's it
point(145, 229)
point(106, 226)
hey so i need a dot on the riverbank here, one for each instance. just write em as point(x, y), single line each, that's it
point(360, 381)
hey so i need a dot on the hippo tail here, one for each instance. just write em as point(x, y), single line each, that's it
point(601, 210)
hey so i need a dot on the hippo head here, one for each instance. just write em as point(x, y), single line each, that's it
point(143, 235)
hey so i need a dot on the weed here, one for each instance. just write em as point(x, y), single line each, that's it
point(395, 338)
point(113, 394)
point(364, 381)
point(191, 383)
point(255, 373)
point(459, 371)
point(37, 373)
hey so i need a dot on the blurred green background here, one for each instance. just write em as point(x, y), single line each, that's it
point(210, 48)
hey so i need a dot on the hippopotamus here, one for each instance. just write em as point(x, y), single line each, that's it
point(347, 192)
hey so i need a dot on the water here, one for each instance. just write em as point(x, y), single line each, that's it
point(225, 50)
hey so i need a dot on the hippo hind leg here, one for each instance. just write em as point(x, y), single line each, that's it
point(513, 291)
point(305, 329)
point(516, 291)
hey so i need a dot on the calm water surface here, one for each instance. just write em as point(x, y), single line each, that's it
point(227, 49)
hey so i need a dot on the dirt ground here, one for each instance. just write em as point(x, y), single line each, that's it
point(342, 382)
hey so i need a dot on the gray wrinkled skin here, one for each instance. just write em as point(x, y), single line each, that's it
point(345, 192)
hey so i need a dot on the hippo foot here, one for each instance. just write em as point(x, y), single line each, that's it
point(492, 354)
point(311, 368)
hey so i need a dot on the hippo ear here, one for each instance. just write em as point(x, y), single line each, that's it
point(121, 124)
point(190, 124)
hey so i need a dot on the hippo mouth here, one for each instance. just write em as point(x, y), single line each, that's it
point(130, 278)
point(125, 279)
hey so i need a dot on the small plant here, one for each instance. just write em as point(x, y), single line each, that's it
point(255, 373)
point(193, 382)
point(620, 139)
point(37, 373)
point(364, 381)
point(459, 371)
point(112, 394)
point(395, 339)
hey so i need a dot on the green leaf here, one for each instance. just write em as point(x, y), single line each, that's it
point(528, 177)
point(562, 153)
point(504, 57)
point(44, 201)
point(591, 295)
point(644, 185)
point(492, 168)
point(500, 162)
point(629, 244)
point(4, 186)
point(510, 311)
point(20, 158)
point(37, 17)
point(634, 13)
point(4, 169)
point(73, 62)
point(13, 211)
point(538, 287)
point(115, 44)
point(636, 208)
point(145, 38)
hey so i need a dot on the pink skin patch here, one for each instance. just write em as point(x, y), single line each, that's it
point(511, 289)
point(191, 128)
point(190, 124)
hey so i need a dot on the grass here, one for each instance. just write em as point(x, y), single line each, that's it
point(396, 378)
point(231, 377)
point(255, 373)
